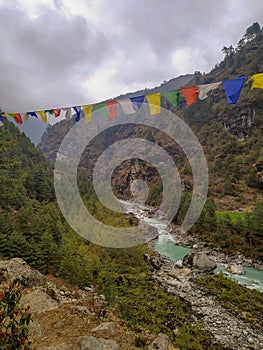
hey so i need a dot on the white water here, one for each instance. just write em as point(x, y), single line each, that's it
point(165, 245)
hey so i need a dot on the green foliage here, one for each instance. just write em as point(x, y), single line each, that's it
point(242, 302)
point(155, 195)
point(233, 216)
point(14, 321)
point(207, 220)
point(228, 186)
point(252, 31)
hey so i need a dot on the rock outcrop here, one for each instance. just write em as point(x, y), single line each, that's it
point(235, 269)
point(162, 342)
point(18, 270)
point(93, 343)
point(106, 328)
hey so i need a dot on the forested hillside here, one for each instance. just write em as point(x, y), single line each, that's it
point(32, 228)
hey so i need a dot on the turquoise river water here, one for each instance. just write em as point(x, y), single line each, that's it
point(166, 245)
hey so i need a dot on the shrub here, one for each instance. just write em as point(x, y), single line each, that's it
point(13, 320)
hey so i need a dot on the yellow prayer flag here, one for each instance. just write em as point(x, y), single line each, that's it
point(257, 81)
point(7, 115)
point(43, 116)
point(154, 101)
point(87, 110)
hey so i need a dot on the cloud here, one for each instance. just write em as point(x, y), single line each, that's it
point(45, 59)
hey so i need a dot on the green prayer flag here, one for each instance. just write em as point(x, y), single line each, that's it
point(173, 96)
point(101, 108)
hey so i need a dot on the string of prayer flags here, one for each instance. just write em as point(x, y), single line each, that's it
point(43, 116)
point(127, 106)
point(173, 96)
point(112, 109)
point(87, 110)
point(190, 94)
point(257, 81)
point(204, 89)
point(131, 105)
point(233, 88)
point(77, 109)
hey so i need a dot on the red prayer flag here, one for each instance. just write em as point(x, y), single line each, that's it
point(56, 112)
point(18, 118)
point(112, 108)
point(190, 94)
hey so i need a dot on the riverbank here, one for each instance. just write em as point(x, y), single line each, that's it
point(231, 331)
point(194, 243)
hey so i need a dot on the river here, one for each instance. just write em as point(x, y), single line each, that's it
point(166, 245)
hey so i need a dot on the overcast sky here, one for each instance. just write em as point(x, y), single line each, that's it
point(58, 53)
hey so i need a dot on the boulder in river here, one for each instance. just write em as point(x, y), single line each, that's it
point(200, 261)
point(235, 269)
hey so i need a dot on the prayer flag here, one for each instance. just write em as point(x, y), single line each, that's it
point(190, 94)
point(137, 102)
point(1, 121)
point(68, 113)
point(43, 116)
point(257, 81)
point(77, 110)
point(204, 89)
point(18, 118)
point(233, 88)
point(173, 96)
point(50, 111)
point(154, 101)
point(101, 109)
point(127, 106)
point(25, 117)
point(7, 114)
point(112, 108)
point(32, 114)
point(56, 112)
point(87, 110)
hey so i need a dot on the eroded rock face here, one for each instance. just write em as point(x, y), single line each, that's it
point(17, 270)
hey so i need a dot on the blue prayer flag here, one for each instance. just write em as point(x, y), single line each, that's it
point(137, 102)
point(32, 114)
point(233, 88)
point(77, 110)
